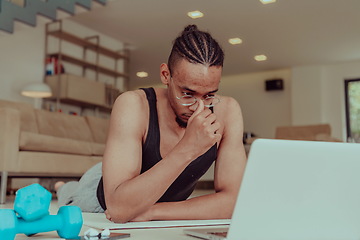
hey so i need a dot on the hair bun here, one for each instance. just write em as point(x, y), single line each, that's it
point(190, 28)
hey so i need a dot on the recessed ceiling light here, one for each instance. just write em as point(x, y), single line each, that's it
point(142, 74)
point(260, 58)
point(195, 14)
point(234, 41)
point(267, 1)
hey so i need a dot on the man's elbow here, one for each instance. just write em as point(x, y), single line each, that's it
point(118, 215)
point(120, 219)
point(228, 205)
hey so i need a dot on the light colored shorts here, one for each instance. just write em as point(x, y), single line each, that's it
point(82, 193)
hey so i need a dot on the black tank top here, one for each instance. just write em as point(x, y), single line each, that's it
point(184, 185)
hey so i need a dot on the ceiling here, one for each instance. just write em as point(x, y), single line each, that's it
point(289, 32)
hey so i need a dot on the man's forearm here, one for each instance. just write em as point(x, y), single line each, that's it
point(140, 193)
point(213, 206)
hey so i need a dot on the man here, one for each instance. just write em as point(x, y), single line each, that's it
point(161, 141)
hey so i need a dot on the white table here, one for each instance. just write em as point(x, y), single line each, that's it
point(154, 230)
point(135, 234)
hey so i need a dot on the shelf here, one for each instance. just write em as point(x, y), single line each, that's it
point(70, 89)
point(87, 44)
point(75, 89)
point(93, 66)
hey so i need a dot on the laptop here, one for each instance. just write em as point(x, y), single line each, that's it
point(296, 190)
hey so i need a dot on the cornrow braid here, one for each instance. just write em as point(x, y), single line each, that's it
point(196, 47)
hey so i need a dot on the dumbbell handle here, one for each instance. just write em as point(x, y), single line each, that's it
point(67, 223)
point(46, 224)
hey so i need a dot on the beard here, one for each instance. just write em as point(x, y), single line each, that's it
point(180, 122)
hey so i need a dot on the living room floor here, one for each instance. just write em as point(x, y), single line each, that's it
point(54, 207)
point(166, 233)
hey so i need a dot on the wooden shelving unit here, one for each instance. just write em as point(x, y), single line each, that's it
point(61, 91)
point(88, 65)
point(85, 43)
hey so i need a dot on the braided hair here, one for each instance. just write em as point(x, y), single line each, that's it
point(196, 47)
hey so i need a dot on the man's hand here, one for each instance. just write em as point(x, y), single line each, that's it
point(201, 132)
point(107, 215)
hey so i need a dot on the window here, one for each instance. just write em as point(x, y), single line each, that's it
point(352, 105)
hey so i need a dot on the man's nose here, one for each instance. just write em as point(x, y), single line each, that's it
point(195, 105)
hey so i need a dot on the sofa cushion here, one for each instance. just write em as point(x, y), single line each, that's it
point(44, 143)
point(98, 149)
point(99, 128)
point(27, 115)
point(63, 125)
point(54, 164)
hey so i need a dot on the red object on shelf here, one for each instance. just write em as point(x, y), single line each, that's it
point(49, 67)
point(53, 66)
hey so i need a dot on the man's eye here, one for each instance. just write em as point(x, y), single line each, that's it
point(187, 94)
point(209, 96)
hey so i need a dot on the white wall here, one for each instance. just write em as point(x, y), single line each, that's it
point(318, 94)
point(262, 110)
point(21, 62)
point(306, 93)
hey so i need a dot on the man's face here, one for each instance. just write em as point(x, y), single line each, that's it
point(197, 80)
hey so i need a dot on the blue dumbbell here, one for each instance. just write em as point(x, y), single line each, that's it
point(67, 223)
point(32, 202)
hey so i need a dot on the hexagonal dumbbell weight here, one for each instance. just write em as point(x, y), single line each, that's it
point(32, 202)
point(67, 223)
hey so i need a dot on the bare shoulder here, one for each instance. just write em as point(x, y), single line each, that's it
point(134, 98)
point(228, 107)
point(130, 102)
point(228, 112)
point(130, 111)
point(229, 101)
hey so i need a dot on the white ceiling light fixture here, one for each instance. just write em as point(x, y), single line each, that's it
point(195, 14)
point(235, 41)
point(267, 1)
point(142, 74)
point(260, 58)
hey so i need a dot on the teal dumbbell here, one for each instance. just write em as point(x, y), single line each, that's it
point(32, 202)
point(67, 223)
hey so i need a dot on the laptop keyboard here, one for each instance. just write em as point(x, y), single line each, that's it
point(221, 234)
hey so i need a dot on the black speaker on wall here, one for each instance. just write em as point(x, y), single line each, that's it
point(274, 84)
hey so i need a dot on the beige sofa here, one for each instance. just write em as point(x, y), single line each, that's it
point(39, 143)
